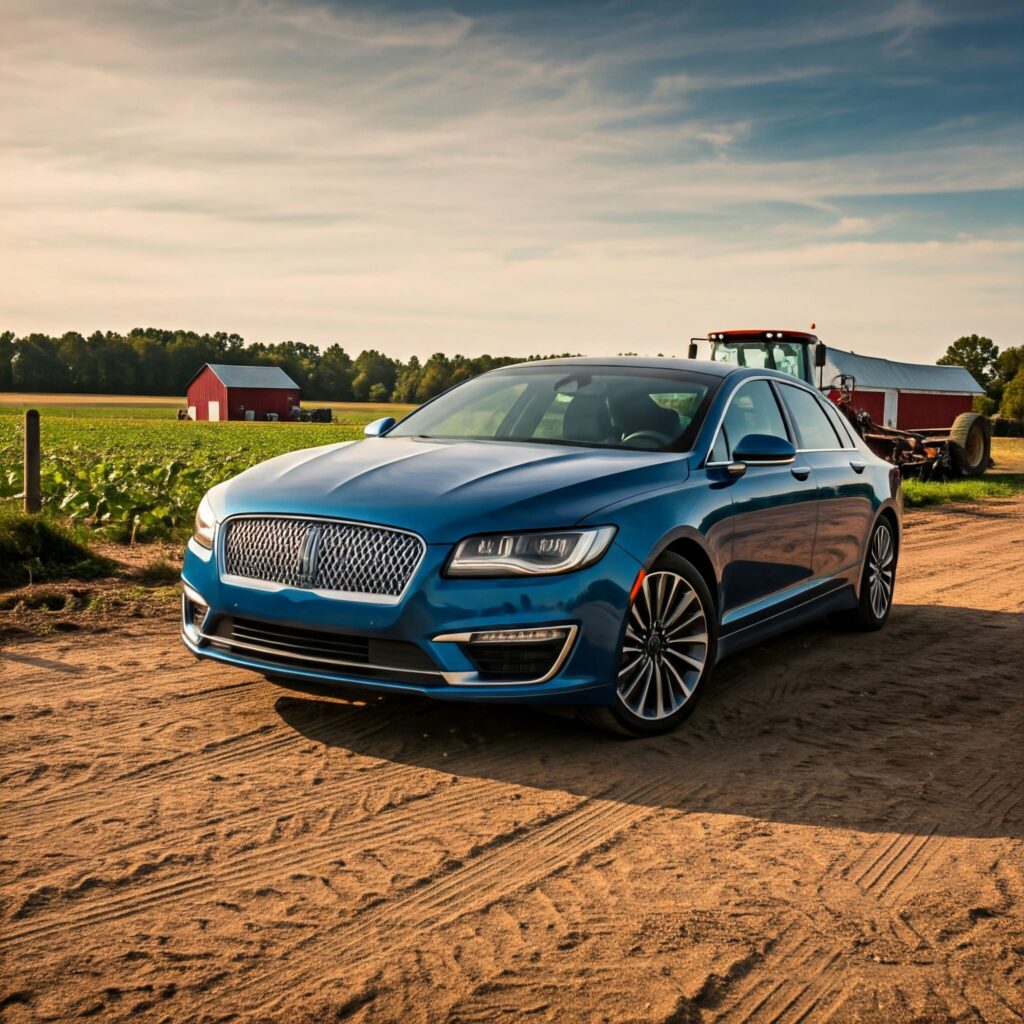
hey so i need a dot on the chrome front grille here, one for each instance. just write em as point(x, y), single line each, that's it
point(322, 554)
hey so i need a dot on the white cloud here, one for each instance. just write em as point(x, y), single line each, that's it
point(422, 182)
point(666, 86)
point(856, 226)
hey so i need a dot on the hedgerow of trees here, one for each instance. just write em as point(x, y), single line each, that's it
point(149, 361)
point(1001, 374)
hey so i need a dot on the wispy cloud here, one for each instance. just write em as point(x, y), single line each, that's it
point(422, 179)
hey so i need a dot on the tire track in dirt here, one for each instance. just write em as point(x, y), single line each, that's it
point(398, 822)
point(496, 873)
point(813, 989)
point(899, 862)
point(336, 783)
point(892, 864)
point(189, 764)
point(834, 832)
point(247, 867)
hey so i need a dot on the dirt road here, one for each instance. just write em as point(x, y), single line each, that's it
point(836, 834)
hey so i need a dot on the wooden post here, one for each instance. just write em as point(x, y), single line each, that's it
point(32, 494)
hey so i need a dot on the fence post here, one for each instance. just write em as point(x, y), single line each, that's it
point(32, 495)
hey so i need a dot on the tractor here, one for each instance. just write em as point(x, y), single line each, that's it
point(962, 450)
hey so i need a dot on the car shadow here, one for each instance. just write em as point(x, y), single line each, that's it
point(914, 729)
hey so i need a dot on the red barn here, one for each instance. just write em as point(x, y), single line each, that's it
point(908, 396)
point(219, 392)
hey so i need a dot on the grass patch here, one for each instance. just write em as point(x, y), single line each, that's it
point(918, 493)
point(1008, 454)
point(45, 600)
point(158, 572)
point(33, 549)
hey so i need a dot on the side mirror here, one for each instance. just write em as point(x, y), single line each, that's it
point(820, 355)
point(764, 449)
point(378, 427)
point(692, 354)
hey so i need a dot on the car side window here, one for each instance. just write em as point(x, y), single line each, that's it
point(753, 410)
point(840, 422)
point(814, 430)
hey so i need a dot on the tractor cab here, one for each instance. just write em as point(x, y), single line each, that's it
point(794, 352)
point(940, 454)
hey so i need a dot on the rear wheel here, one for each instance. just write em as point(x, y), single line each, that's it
point(970, 444)
point(877, 582)
point(668, 649)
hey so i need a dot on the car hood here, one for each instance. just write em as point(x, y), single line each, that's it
point(445, 490)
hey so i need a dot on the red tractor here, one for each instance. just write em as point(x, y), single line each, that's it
point(961, 450)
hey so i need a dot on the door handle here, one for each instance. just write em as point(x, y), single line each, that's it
point(858, 466)
point(801, 472)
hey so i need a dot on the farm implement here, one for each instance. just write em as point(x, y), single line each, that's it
point(954, 451)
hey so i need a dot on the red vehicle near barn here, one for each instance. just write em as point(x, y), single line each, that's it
point(221, 392)
point(915, 416)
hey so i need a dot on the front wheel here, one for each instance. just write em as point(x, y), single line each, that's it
point(668, 649)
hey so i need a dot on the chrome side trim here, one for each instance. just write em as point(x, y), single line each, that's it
point(725, 412)
point(795, 383)
point(740, 612)
point(473, 678)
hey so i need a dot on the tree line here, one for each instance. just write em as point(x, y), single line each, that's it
point(1001, 374)
point(151, 361)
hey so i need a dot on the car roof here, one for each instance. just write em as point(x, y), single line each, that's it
point(705, 366)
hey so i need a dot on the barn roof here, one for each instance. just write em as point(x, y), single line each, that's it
point(250, 376)
point(872, 372)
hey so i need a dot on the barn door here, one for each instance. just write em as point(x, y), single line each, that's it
point(213, 411)
point(891, 408)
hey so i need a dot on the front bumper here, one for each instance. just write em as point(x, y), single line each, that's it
point(590, 604)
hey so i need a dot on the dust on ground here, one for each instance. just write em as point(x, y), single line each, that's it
point(835, 834)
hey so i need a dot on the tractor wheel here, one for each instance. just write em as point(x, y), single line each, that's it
point(970, 444)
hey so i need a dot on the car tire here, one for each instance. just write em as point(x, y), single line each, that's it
point(970, 444)
point(877, 582)
point(661, 680)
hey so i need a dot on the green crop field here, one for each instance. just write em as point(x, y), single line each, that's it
point(134, 471)
point(143, 407)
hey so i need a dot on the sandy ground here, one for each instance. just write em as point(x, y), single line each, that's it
point(835, 835)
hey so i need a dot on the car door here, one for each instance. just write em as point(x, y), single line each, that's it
point(774, 508)
point(845, 497)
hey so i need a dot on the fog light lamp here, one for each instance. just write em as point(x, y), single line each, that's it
point(198, 615)
point(517, 636)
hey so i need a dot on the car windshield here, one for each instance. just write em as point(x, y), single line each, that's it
point(596, 406)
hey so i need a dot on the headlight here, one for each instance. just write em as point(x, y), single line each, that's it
point(530, 554)
point(206, 521)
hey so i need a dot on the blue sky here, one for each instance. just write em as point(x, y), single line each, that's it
point(515, 177)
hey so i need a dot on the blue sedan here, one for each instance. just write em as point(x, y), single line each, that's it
point(586, 532)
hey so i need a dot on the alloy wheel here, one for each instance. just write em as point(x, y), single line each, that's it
point(666, 647)
point(880, 571)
